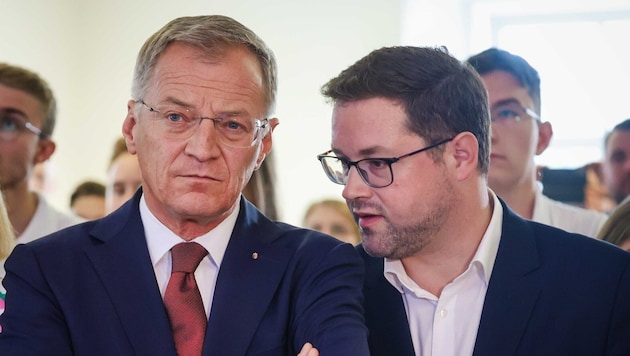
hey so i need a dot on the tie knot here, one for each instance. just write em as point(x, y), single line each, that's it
point(187, 256)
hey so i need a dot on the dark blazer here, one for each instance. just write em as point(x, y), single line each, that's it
point(550, 293)
point(91, 290)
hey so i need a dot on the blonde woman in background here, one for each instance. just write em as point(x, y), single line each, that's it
point(616, 230)
point(332, 217)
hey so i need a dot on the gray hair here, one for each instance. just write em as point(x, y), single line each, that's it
point(213, 35)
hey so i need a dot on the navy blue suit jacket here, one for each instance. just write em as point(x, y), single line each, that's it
point(550, 293)
point(91, 290)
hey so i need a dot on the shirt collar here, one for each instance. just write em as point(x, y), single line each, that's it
point(489, 246)
point(161, 239)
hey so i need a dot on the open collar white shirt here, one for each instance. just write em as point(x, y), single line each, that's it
point(161, 239)
point(448, 325)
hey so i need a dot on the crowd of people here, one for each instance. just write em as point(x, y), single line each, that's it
point(443, 242)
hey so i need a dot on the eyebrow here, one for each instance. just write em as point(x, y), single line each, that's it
point(187, 106)
point(366, 152)
point(14, 111)
point(508, 102)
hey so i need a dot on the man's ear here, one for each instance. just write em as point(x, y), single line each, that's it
point(465, 151)
point(545, 132)
point(45, 149)
point(266, 142)
point(128, 126)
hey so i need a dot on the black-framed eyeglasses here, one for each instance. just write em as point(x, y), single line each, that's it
point(510, 112)
point(180, 122)
point(13, 122)
point(375, 172)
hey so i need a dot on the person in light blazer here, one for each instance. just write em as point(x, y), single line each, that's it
point(450, 269)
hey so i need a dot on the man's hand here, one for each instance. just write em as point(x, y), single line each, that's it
point(308, 350)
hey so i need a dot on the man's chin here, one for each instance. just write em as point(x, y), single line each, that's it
point(373, 249)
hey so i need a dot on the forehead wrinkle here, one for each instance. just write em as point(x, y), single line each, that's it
point(233, 94)
point(168, 77)
point(244, 93)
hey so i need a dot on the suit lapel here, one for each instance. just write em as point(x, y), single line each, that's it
point(248, 278)
point(384, 312)
point(129, 279)
point(513, 289)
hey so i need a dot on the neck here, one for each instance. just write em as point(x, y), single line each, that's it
point(187, 227)
point(520, 198)
point(449, 254)
point(21, 206)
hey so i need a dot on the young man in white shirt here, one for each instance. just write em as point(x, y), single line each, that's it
point(27, 120)
point(518, 135)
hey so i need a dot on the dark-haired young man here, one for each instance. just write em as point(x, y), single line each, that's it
point(518, 135)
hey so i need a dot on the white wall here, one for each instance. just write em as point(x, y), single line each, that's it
point(87, 49)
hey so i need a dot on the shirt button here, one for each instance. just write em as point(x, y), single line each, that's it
point(443, 313)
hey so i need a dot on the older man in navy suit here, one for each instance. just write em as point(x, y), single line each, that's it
point(450, 269)
point(188, 266)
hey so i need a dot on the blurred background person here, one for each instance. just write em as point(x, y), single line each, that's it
point(123, 176)
point(42, 178)
point(617, 229)
point(518, 135)
point(27, 121)
point(616, 163)
point(332, 217)
point(88, 200)
point(596, 195)
point(261, 188)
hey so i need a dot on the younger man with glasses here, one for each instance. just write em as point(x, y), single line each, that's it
point(518, 135)
point(27, 120)
point(450, 269)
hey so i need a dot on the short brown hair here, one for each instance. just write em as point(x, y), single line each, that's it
point(31, 83)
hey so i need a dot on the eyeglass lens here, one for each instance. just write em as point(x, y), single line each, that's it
point(374, 172)
point(12, 123)
point(510, 112)
point(181, 123)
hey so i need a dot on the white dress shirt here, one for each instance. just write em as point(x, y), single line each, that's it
point(46, 220)
point(448, 325)
point(160, 240)
point(567, 217)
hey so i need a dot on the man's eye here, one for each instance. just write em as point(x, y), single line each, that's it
point(376, 163)
point(174, 117)
point(8, 124)
point(505, 114)
point(233, 125)
point(618, 157)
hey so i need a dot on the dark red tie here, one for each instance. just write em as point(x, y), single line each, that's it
point(183, 300)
